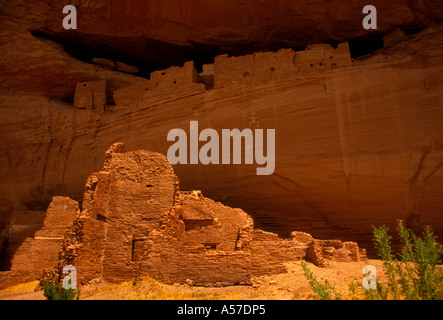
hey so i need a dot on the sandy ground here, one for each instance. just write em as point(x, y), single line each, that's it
point(290, 285)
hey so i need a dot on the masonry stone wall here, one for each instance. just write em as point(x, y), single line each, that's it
point(269, 252)
point(23, 225)
point(322, 57)
point(91, 95)
point(164, 83)
point(40, 248)
point(136, 222)
point(254, 68)
point(260, 67)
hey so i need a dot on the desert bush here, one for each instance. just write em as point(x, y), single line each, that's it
point(54, 291)
point(323, 291)
point(412, 274)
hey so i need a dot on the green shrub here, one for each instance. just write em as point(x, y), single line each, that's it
point(323, 291)
point(412, 274)
point(54, 291)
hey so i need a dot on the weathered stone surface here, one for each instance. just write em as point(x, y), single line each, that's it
point(161, 34)
point(320, 252)
point(123, 67)
point(23, 225)
point(40, 249)
point(91, 95)
point(136, 222)
point(269, 252)
point(356, 145)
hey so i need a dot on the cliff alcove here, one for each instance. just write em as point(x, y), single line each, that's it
point(357, 112)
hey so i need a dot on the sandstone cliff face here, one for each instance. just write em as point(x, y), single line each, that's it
point(159, 34)
point(359, 142)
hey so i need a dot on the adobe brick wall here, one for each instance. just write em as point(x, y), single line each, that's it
point(171, 262)
point(24, 224)
point(164, 84)
point(322, 57)
point(320, 252)
point(253, 68)
point(136, 222)
point(40, 249)
point(91, 95)
point(269, 252)
point(212, 253)
point(256, 68)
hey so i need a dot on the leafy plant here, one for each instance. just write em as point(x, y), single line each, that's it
point(414, 273)
point(323, 291)
point(54, 291)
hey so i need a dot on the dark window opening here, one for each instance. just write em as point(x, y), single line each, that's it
point(412, 30)
point(195, 224)
point(245, 74)
point(311, 65)
point(5, 263)
point(101, 218)
point(149, 186)
point(365, 45)
point(272, 69)
point(210, 246)
point(137, 249)
point(207, 80)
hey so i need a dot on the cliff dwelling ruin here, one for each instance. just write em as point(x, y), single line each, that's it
point(135, 221)
point(85, 115)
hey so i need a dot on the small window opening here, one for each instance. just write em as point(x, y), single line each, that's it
point(210, 246)
point(137, 249)
point(101, 218)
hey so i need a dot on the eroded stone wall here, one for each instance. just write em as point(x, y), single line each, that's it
point(136, 222)
point(226, 71)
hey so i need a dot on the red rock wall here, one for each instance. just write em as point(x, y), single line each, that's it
point(355, 146)
point(171, 32)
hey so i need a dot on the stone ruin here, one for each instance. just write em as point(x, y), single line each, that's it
point(91, 95)
point(135, 222)
point(224, 73)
